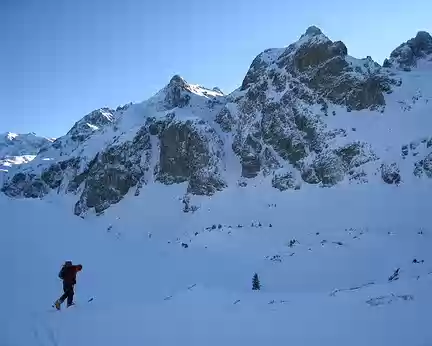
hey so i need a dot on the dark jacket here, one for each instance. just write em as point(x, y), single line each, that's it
point(70, 272)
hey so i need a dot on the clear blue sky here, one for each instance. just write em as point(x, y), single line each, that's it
point(60, 59)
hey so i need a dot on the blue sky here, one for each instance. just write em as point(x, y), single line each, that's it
point(60, 59)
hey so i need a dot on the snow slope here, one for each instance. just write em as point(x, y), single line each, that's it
point(330, 287)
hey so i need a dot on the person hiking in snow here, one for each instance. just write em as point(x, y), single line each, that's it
point(68, 274)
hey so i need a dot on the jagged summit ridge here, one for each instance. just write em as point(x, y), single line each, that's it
point(324, 69)
point(178, 93)
point(280, 125)
point(408, 54)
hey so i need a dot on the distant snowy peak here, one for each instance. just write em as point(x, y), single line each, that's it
point(12, 144)
point(410, 53)
point(16, 149)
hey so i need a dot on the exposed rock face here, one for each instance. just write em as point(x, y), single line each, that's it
point(326, 69)
point(25, 185)
point(285, 181)
point(176, 94)
point(92, 122)
point(314, 70)
point(292, 133)
point(225, 120)
point(191, 151)
point(354, 155)
point(407, 55)
point(83, 130)
point(390, 174)
point(54, 175)
point(31, 185)
point(424, 167)
point(329, 169)
point(112, 173)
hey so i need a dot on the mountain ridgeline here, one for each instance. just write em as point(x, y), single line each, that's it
point(287, 125)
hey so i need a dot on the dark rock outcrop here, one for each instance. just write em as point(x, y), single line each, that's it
point(390, 174)
point(407, 55)
point(225, 120)
point(424, 166)
point(112, 173)
point(285, 181)
point(191, 152)
point(176, 93)
point(25, 185)
point(92, 122)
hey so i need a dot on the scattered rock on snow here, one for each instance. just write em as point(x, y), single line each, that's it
point(385, 300)
point(394, 276)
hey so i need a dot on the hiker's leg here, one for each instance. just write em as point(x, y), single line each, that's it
point(65, 294)
point(70, 295)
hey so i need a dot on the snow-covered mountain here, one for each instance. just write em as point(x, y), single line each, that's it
point(315, 174)
point(414, 53)
point(307, 114)
point(19, 148)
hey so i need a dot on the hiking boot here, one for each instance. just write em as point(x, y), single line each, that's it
point(69, 305)
point(57, 304)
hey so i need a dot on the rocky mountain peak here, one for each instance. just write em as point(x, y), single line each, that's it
point(407, 55)
point(276, 125)
point(92, 122)
point(177, 81)
point(312, 31)
point(317, 66)
point(176, 93)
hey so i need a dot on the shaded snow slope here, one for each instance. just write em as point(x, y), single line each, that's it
point(324, 258)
